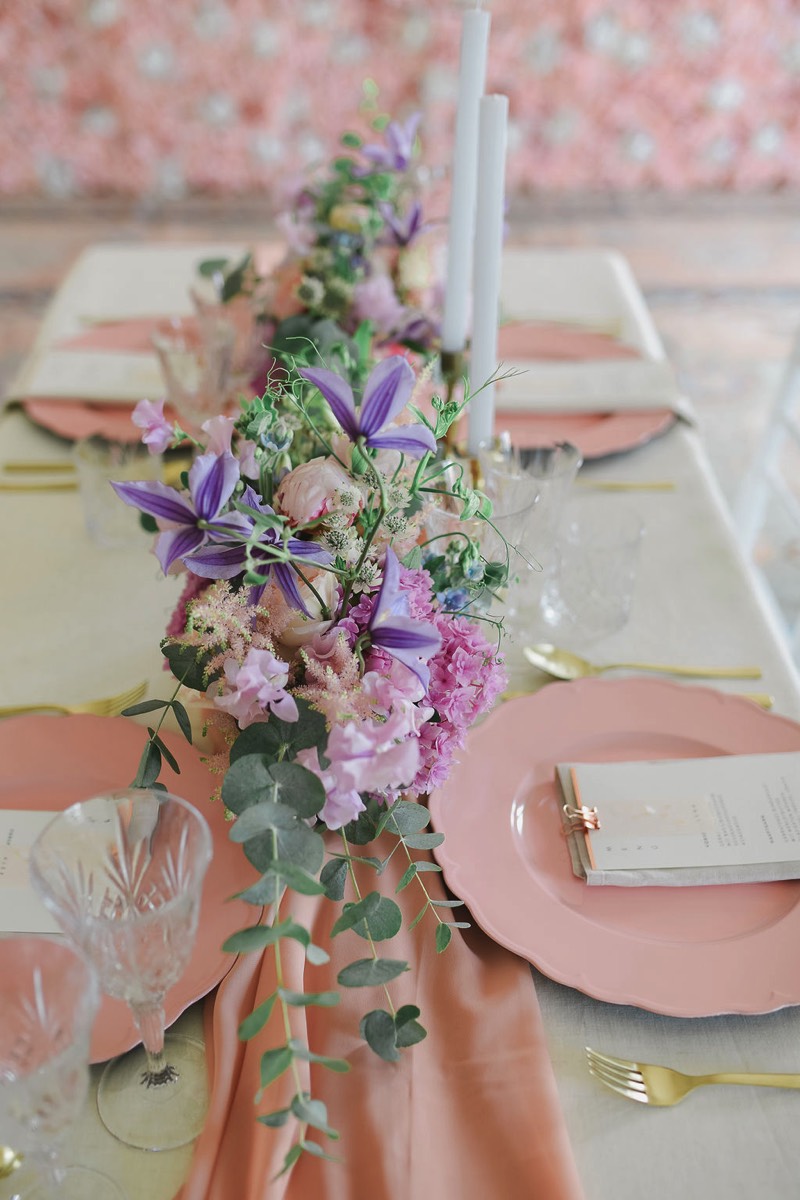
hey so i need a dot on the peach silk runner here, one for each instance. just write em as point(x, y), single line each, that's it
point(472, 1111)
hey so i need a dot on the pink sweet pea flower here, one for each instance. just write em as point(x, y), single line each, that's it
point(219, 431)
point(366, 757)
point(157, 434)
point(342, 805)
point(255, 687)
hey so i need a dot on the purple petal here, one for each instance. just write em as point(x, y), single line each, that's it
point(231, 526)
point(388, 591)
point(176, 543)
point(388, 391)
point(285, 578)
point(309, 550)
point(412, 440)
point(158, 500)
point(407, 633)
point(217, 562)
point(212, 479)
point(339, 394)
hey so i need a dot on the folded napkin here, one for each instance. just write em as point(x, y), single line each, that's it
point(471, 1112)
point(683, 822)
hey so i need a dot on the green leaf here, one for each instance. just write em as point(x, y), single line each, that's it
point(266, 890)
point(378, 1031)
point(149, 766)
point(148, 523)
point(424, 841)
point(304, 999)
point(385, 816)
point(458, 924)
point(298, 844)
point(409, 874)
point(367, 972)
point(275, 1119)
point(407, 1012)
point(334, 877)
point(357, 911)
point(182, 717)
point(145, 707)
point(419, 916)
point(443, 935)
point(299, 788)
point(212, 266)
point(260, 817)
point(317, 1151)
point(257, 1019)
point(447, 903)
point(247, 782)
point(316, 955)
point(274, 1063)
point(166, 752)
point(410, 1033)
point(428, 866)
point(298, 879)
point(410, 818)
point(382, 923)
point(314, 1113)
point(255, 937)
point(189, 664)
point(291, 1157)
point(282, 739)
point(339, 1065)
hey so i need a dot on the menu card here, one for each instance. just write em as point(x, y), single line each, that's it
point(730, 819)
point(21, 910)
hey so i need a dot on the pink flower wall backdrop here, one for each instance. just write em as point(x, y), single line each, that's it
point(155, 99)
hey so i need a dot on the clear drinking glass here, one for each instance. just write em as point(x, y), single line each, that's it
point(196, 362)
point(48, 1000)
point(99, 460)
point(122, 873)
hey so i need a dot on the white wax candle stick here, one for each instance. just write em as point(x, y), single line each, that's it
point(461, 232)
point(489, 221)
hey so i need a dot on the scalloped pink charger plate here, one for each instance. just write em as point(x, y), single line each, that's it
point(596, 434)
point(75, 419)
point(48, 763)
point(680, 951)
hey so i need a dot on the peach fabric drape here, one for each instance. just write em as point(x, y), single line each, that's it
point(471, 1112)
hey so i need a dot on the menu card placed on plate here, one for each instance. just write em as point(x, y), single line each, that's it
point(21, 910)
point(730, 819)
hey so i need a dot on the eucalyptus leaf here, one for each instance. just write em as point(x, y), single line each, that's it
point(189, 664)
point(409, 818)
point(334, 877)
point(407, 1012)
point(257, 1019)
point(314, 1113)
point(385, 817)
point(248, 781)
point(298, 844)
point(145, 706)
point(382, 923)
point(339, 1065)
point(447, 903)
point(419, 916)
point(315, 1149)
point(299, 788)
point(378, 1031)
point(304, 999)
point(316, 955)
point(182, 718)
point(166, 752)
point(149, 766)
point(356, 912)
point(255, 937)
point(423, 841)
point(260, 817)
point(290, 1158)
point(428, 866)
point(297, 878)
point(282, 739)
point(410, 1033)
point(275, 1119)
point(274, 1063)
point(443, 935)
point(409, 874)
point(367, 972)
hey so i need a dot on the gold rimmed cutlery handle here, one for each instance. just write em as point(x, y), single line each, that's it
point(689, 672)
point(23, 466)
point(753, 1079)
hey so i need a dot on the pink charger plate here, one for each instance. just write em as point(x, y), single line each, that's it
point(596, 434)
point(76, 419)
point(48, 763)
point(680, 951)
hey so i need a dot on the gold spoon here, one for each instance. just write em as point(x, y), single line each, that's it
point(563, 664)
point(9, 1161)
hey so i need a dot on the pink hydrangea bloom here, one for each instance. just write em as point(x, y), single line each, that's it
point(150, 417)
point(256, 687)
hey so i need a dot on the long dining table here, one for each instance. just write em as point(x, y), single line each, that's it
point(82, 621)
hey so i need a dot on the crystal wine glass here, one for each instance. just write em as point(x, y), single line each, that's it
point(196, 364)
point(48, 999)
point(122, 873)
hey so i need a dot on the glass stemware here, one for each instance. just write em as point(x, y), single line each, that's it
point(48, 1000)
point(122, 873)
point(196, 363)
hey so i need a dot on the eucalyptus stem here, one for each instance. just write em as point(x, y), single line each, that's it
point(373, 951)
point(417, 875)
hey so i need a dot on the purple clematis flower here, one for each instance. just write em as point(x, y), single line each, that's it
point(228, 555)
point(403, 229)
point(392, 628)
point(212, 479)
point(386, 394)
point(397, 153)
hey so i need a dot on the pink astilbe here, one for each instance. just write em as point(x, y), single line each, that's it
point(195, 586)
point(333, 679)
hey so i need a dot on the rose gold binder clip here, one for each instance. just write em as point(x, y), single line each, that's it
point(587, 817)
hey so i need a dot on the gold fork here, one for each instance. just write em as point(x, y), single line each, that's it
point(109, 706)
point(663, 1086)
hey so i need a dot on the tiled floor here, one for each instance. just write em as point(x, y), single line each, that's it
point(721, 276)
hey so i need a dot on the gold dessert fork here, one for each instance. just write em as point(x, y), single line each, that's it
point(663, 1086)
point(109, 706)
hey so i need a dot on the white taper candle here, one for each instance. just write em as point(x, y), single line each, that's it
point(461, 232)
point(489, 221)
